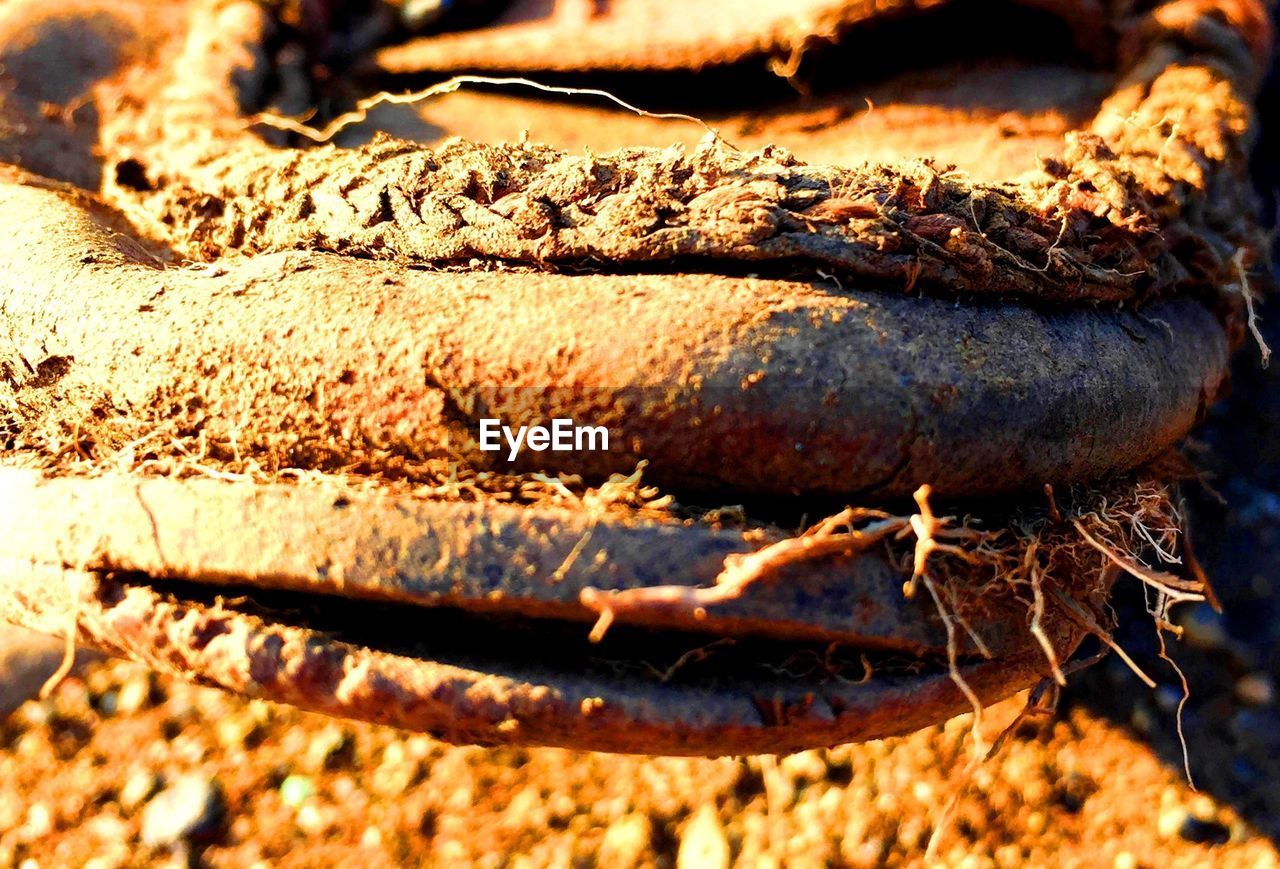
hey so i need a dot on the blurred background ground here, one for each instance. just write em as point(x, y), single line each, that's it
point(121, 768)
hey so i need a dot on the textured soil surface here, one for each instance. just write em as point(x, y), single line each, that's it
point(79, 776)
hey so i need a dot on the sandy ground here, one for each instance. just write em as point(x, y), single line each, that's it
point(82, 780)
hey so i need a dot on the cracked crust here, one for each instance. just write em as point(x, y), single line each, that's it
point(528, 204)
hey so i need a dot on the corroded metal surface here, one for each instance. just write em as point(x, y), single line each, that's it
point(457, 562)
point(326, 331)
point(512, 698)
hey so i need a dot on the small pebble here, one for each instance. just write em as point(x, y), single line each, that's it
point(134, 695)
point(35, 714)
point(11, 811)
point(109, 703)
point(703, 844)
point(394, 776)
point(116, 858)
point(1073, 790)
point(108, 828)
point(808, 766)
point(327, 748)
point(343, 788)
point(311, 820)
point(39, 822)
point(140, 787)
point(1170, 822)
point(1125, 860)
point(626, 841)
point(296, 790)
point(237, 730)
point(1255, 689)
point(191, 809)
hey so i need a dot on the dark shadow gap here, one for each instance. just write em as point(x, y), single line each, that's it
point(866, 53)
point(496, 643)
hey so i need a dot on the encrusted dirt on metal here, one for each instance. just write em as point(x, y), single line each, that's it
point(192, 293)
point(1109, 217)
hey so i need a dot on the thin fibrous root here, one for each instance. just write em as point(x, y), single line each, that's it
point(361, 111)
point(1033, 558)
point(69, 650)
point(835, 535)
point(953, 664)
point(742, 571)
point(1042, 702)
point(927, 529)
point(1182, 702)
point(1037, 615)
point(1251, 314)
point(1086, 621)
point(1175, 588)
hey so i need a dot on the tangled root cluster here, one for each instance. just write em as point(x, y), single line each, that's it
point(1062, 557)
point(1062, 554)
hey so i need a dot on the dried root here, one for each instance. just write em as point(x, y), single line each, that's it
point(362, 108)
point(742, 572)
point(1250, 307)
point(1059, 560)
